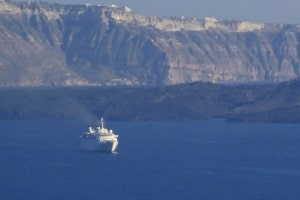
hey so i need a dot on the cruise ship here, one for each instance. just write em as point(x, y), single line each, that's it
point(99, 139)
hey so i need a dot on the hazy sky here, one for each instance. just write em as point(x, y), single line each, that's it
point(278, 11)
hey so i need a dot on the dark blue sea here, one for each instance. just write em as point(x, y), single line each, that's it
point(209, 160)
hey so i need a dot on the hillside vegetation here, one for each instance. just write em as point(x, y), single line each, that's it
point(196, 101)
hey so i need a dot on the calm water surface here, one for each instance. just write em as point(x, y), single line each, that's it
point(155, 160)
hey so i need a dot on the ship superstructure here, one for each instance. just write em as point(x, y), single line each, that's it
point(99, 138)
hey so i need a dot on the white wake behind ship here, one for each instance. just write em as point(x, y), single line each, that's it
point(99, 139)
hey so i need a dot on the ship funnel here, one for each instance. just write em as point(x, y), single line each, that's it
point(91, 129)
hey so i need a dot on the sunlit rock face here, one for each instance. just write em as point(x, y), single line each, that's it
point(46, 44)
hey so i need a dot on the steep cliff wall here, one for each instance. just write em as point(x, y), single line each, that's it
point(30, 39)
point(52, 44)
point(217, 56)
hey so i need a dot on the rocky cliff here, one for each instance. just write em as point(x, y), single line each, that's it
point(51, 44)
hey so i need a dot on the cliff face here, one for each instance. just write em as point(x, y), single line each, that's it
point(30, 38)
point(51, 44)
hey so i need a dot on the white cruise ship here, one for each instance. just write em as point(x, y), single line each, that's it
point(99, 139)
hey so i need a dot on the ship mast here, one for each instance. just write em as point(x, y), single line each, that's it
point(102, 123)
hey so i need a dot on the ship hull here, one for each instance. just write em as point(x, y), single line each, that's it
point(91, 144)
